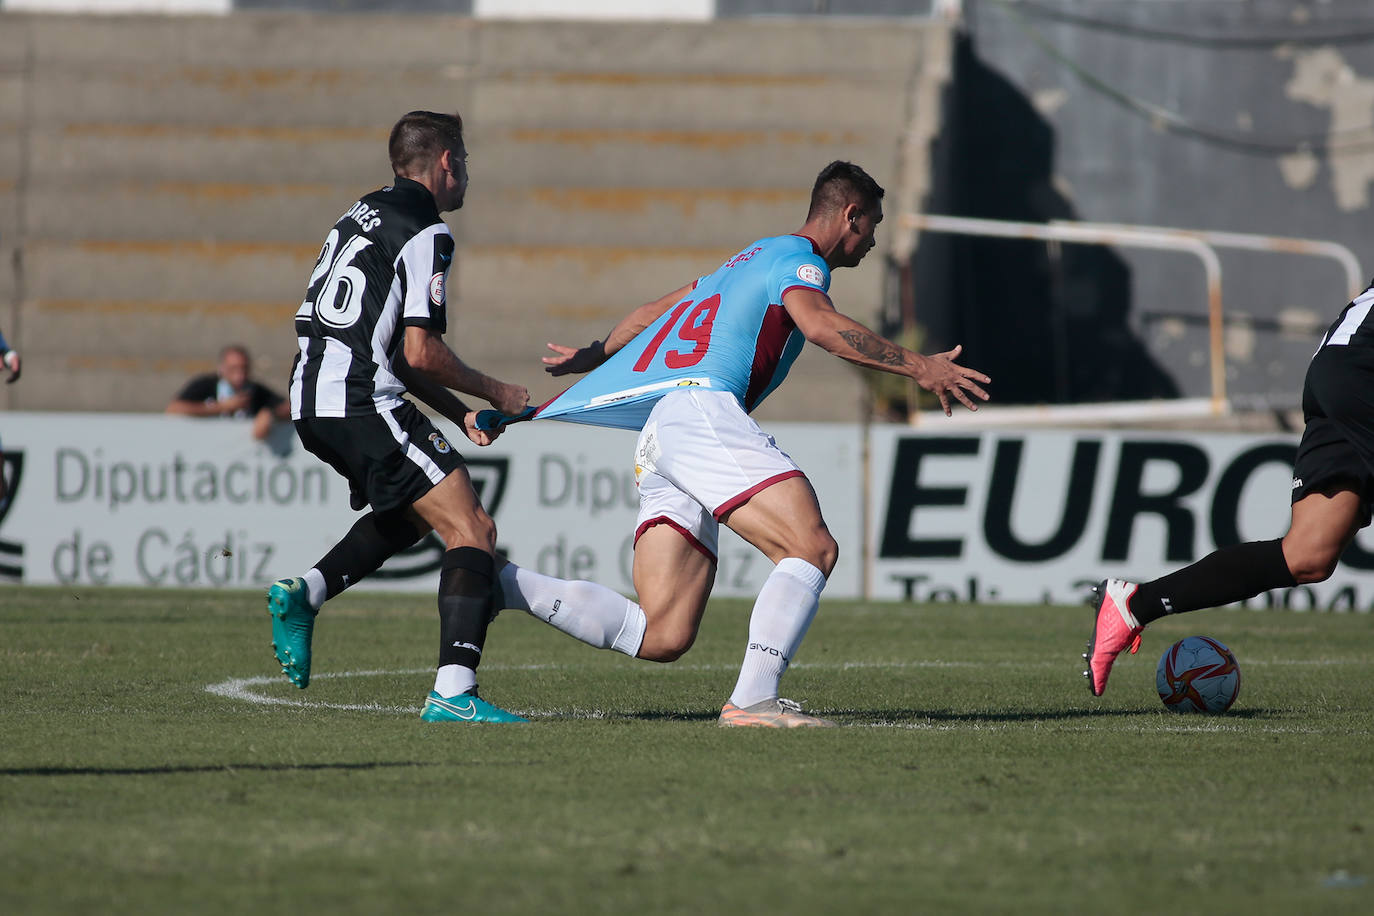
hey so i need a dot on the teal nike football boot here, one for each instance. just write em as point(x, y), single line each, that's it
point(465, 707)
point(293, 623)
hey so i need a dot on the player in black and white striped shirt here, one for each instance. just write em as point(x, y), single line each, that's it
point(371, 329)
point(1333, 492)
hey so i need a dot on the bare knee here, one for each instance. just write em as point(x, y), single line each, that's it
point(1310, 566)
point(665, 642)
point(478, 531)
point(822, 552)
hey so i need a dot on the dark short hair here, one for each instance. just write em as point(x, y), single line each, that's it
point(840, 184)
point(420, 137)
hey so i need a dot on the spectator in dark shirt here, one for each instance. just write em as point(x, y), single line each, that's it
point(229, 392)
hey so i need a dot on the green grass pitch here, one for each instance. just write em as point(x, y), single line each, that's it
point(152, 761)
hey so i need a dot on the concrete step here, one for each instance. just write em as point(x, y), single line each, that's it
point(264, 283)
point(299, 214)
point(66, 379)
point(267, 40)
point(353, 159)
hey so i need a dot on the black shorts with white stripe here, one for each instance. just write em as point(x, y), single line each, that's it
point(1337, 447)
point(390, 459)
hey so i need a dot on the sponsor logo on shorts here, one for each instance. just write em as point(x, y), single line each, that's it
point(436, 289)
point(810, 273)
point(1297, 482)
point(440, 444)
point(647, 451)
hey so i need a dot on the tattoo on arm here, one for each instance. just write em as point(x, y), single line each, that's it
point(874, 347)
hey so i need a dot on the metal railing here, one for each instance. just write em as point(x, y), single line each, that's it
point(1201, 243)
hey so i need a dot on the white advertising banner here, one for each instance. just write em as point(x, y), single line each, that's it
point(110, 499)
point(1040, 516)
point(969, 516)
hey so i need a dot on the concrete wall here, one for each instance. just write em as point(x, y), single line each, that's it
point(165, 183)
point(1199, 114)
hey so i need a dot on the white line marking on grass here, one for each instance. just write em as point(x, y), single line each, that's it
point(239, 688)
point(244, 688)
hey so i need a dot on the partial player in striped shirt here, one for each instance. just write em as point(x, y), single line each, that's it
point(1332, 496)
point(370, 330)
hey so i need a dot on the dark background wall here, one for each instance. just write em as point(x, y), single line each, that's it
point(1202, 114)
point(1209, 114)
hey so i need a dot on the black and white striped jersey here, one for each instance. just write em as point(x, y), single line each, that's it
point(1354, 325)
point(382, 268)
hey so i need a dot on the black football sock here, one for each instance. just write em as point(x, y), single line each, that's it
point(464, 606)
point(1222, 577)
point(372, 540)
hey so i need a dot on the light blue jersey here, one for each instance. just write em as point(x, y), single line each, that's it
point(731, 334)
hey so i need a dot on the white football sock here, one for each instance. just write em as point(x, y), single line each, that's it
point(453, 680)
point(314, 588)
point(584, 610)
point(782, 612)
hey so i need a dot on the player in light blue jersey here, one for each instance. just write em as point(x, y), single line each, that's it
point(686, 370)
point(730, 332)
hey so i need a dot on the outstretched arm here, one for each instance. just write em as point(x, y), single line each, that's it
point(427, 355)
point(846, 338)
point(573, 359)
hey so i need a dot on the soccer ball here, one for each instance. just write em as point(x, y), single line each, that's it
point(1198, 674)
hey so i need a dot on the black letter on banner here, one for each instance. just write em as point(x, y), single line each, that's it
point(1357, 557)
point(904, 496)
point(1078, 489)
point(1128, 501)
point(1226, 498)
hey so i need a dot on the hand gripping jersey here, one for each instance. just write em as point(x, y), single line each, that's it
point(731, 334)
point(382, 268)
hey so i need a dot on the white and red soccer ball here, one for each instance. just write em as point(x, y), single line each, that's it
point(1198, 674)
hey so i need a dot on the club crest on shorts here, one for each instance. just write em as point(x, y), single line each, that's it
point(440, 444)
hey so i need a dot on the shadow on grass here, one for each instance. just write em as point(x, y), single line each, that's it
point(1046, 715)
point(209, 768)
point(931, 715)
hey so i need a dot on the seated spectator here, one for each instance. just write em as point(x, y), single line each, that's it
point(229, 392)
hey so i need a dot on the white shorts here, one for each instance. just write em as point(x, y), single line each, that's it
point(698, 457)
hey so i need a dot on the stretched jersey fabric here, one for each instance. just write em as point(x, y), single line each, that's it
point(731, 334)
point(1354, 326)
point(383, 268)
